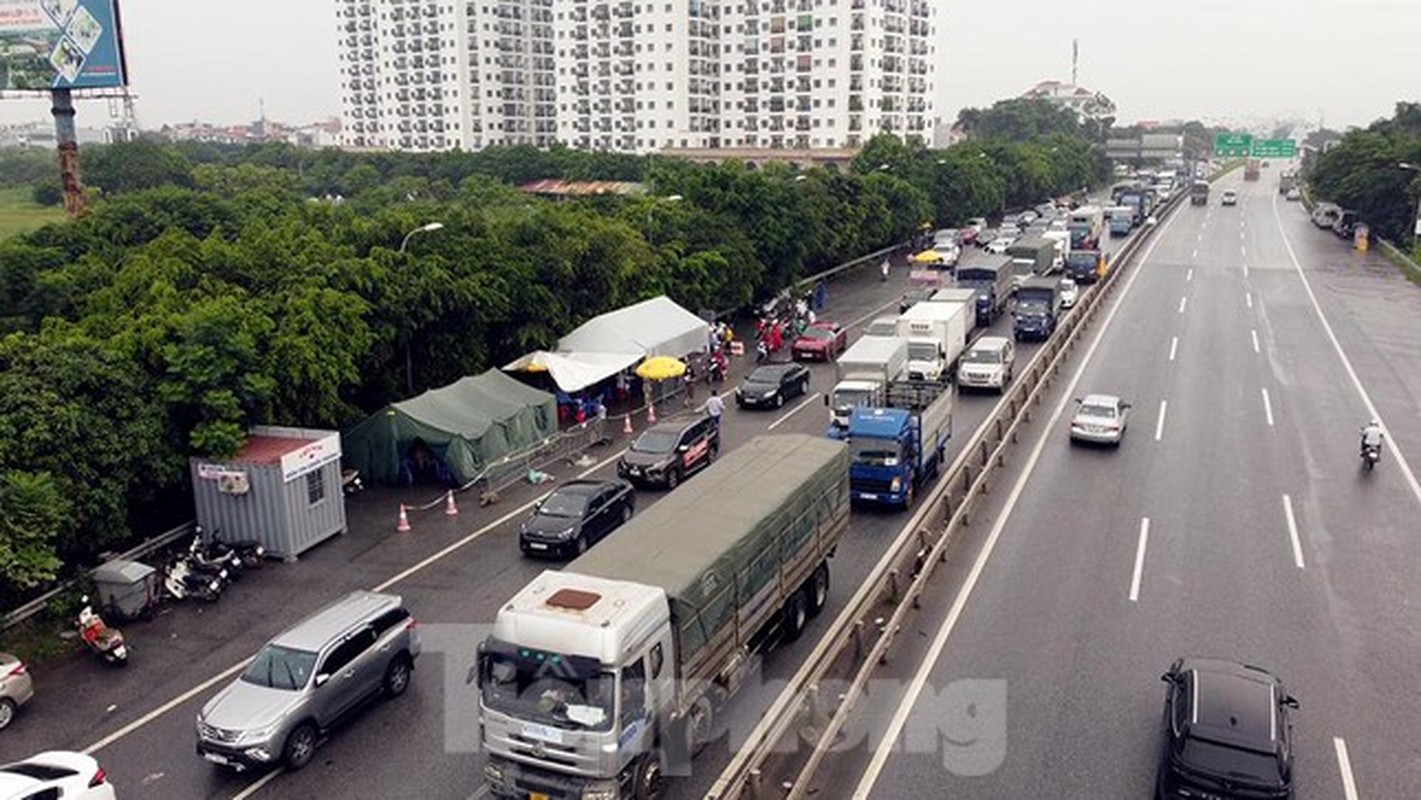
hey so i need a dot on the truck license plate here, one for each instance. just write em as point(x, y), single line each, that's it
point(537, 796)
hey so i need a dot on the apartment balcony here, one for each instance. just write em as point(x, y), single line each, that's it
point(856, 43)
point(804, 23)
point(804, 63)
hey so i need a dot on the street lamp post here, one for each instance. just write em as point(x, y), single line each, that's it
point(409, 341)
point(1415, 219)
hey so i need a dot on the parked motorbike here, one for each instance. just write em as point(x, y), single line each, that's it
point(214, 560)
point(1371, 454)
point(181, 581)
point(105, 642)
point(251, 552)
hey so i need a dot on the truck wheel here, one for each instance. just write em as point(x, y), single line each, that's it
point(649, 781)
point(818, 590)
point(796, 614)
point(908, 496)
point(700, 722)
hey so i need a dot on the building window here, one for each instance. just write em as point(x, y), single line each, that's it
point(315, 487)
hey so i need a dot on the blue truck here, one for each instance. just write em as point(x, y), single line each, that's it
point(896, 449)
point(1038, 309)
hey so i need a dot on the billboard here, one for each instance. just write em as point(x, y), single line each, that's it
point(60, 44)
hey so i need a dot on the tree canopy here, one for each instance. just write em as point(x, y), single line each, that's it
point(1363, 172)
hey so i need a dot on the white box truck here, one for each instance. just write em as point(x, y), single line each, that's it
point(937, 335)
point(870, 364)
point(958, 294)
point(598, 677)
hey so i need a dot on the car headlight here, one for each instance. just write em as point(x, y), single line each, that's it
point(896, 485)
point(493, 772)
point(600, 790)
point(258, 734)
point(568, 533)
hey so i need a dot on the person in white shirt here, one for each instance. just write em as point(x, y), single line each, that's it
point(715, 407)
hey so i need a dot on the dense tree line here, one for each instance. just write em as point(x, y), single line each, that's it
point(1363, 172)
point(210, 288)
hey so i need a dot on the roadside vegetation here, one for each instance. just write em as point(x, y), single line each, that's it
point(209, 288)
point(1363, 172)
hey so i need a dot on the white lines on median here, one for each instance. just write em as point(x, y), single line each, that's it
point(1344, 765)
point(1242, 250)
point(1293, 531)
point(1248, 298)
point(1139, 560)
point(1183, 301)
point(1189, 276)
point(1159, 425)
point(1173, 347)
point(1268, 408)
point(1253, 334)
point(1245, 270)
point(793, 411)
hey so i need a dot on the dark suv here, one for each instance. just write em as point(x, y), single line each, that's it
point(1226, 732)
point(666, 453)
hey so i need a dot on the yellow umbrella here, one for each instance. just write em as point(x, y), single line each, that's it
point(927, 257)
point(660, 368)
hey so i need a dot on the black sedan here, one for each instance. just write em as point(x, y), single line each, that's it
point(575, 516)
point(771, 385)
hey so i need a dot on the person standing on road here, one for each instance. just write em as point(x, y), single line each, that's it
point(715, 407)
point(883, 269)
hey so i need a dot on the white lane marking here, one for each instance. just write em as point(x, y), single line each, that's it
point(1248, 298)
point(793, 411)
point(1183, 301)
point(1254, 335)
point(1139, 560)
point(1293, 531)
point(871, 314)
point(1159, 425)
point(1268, 408)
point(1243, 250)
point(1173, 347)
point(1196, 254)
point(1245, 270)
point(165, 708)
point(1344, 765)
point(1346, 362)
point(257, 786)
point(910, 698)
point(1189, 276)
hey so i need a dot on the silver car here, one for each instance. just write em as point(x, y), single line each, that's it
point(1100, 419)
point(309, 678)
point(16, 688)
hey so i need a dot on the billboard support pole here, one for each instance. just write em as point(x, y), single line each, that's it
point(62, 107)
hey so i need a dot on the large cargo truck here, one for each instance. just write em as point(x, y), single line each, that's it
point(991, 280)
point(896, 449)
point(1086, 225)
point(936, 335)
point(598, 677)
point(1251, 169)
point(864, 372)
point(1038, 309)
point(1199, 193)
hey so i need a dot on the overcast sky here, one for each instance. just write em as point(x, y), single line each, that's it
point(1349, 61)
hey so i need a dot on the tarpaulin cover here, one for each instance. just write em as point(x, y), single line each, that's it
point(574, 371)
point(655, 327)
point(720, 537)
point(467, 424)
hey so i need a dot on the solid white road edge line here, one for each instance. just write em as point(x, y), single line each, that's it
point(1293, 531)
point(793, 411)
point(1254, 335)
point(1344, 765)
point(1159, 426)
point(1268, 408)
point(1139, 559)
point(1173, 347)
point(1347, 362)
point(257, 786)
point(905, 707)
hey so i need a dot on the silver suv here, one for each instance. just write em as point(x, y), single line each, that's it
point(307, 679)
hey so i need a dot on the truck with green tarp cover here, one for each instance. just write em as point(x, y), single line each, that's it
point(597, 677)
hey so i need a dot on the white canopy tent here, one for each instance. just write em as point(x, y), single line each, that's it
point(574, 371)
point(655, 327)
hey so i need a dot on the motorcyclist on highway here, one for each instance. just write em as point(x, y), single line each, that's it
point(883, 269)
point(1372, 436)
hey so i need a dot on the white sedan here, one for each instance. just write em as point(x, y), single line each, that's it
point(1070, 292)
point(1100, 419)
point(999, 245)
point(57, 773)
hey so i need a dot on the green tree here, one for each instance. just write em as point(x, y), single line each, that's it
point(131, 166)
point(32, 512)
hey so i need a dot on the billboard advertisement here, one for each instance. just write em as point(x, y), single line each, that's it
point(60, 44)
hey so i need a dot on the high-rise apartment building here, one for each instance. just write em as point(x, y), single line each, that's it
point(634, 75)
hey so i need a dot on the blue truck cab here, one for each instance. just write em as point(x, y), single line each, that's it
point(1038, 309)
point(895, 450)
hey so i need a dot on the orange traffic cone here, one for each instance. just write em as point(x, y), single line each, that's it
point(404, 525)
point(651, 413)
point(451, 510)
point(627, 425)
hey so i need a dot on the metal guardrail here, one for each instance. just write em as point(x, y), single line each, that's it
point(33, 607)
point(861, 636)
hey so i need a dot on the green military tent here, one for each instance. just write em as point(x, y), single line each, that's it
point(466, 425)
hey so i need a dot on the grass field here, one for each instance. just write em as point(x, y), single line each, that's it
point(18, 213)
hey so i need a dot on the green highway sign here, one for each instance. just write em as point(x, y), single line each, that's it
point(1275, 148)
point(1233, 145)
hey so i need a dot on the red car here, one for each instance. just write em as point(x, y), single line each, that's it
point(821, 341)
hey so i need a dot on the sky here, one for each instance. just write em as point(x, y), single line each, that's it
point(1344, 63)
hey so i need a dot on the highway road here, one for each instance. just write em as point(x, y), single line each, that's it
point(1234, 521)
point(454, 575)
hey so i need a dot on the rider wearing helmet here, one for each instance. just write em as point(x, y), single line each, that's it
point(1372, 436)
